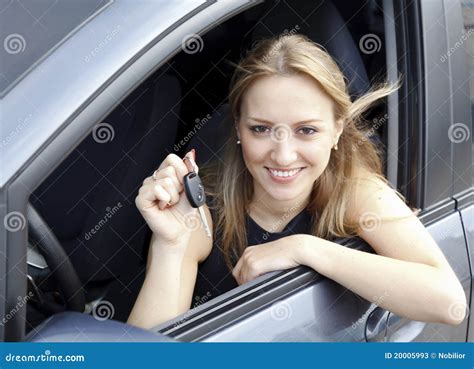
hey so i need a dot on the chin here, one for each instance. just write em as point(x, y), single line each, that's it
point(283, 195)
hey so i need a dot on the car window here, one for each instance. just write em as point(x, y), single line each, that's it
point(31, 29)
point(181, 106)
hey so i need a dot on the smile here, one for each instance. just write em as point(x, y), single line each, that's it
point(283, 175)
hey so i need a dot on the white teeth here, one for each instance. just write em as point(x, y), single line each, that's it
point(285, 173)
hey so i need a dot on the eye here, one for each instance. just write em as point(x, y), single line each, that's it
point(259, 129)
point(308, 131)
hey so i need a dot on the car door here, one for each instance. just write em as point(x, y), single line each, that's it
point(65, 87)
point(427, 162)
point(463, 158)
point(439, 147)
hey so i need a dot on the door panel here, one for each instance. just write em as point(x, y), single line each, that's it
point(448, 233)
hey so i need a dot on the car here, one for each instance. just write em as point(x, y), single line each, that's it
point(95, 94)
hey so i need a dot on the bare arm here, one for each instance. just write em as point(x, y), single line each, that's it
point(409, 275)
point(170, 279)
point(413, 290)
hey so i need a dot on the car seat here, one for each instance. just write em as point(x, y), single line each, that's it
point(89, 198)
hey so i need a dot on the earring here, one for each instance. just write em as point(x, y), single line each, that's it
point(238, 142)
point(335, 147)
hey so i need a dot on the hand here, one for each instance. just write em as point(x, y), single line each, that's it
point(276, 255)
point(163, 203)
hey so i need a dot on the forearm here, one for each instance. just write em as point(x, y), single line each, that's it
point(413, 290)
point(160, 297)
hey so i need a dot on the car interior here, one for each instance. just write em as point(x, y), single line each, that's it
point(108, 248)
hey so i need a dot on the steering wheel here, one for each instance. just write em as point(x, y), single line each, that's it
point(70, 286)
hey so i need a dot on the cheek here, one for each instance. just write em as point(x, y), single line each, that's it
point(253, 153)
point(317, 154)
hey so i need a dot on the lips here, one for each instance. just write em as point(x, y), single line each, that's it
point(283, 176)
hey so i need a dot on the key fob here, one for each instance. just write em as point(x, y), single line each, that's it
point(194, 190)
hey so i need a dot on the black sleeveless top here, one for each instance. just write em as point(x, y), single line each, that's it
point(214, 278)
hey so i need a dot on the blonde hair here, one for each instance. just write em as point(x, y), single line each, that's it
point(231, 184)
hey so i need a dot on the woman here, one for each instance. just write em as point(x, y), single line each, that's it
point(298, 157)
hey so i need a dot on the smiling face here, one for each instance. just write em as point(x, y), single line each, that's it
point(287, 130)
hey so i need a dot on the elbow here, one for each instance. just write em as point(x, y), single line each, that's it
point(456, 309)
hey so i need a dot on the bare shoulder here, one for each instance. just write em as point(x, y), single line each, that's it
point(389, 225)
point(373, 195)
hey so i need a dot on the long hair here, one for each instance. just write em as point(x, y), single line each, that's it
point(231, 184)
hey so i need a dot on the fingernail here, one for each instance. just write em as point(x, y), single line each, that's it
point(194, 153)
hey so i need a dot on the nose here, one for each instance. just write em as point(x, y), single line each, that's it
point(284, 152)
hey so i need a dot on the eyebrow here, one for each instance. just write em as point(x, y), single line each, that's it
point(311, 120)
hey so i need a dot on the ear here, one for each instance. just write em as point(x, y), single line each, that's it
point(339, 127)
point(237, 129)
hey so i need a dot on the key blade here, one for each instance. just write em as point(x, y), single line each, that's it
point(204, 221)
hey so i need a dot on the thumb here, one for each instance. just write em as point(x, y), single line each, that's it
point(189, 160)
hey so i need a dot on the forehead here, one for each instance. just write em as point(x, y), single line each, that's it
point(286, 97)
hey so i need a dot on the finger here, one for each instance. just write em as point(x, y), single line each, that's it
point(170, 186)
point(176, 162)
point(148, 195)
point(148, 180)
point(191, 164)
point(237, 270)
point(161, 194)
point(170, 172)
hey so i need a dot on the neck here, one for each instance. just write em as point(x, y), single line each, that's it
point(266, 209)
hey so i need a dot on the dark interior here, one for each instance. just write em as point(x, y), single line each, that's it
point(150, 123)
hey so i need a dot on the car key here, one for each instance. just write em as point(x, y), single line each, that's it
point(196, 196)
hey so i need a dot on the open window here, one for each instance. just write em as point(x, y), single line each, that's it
point(87, 201)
